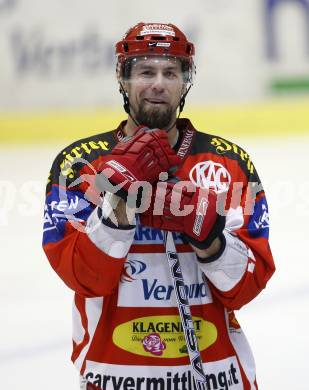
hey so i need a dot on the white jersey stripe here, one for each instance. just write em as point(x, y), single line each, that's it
point(78, 332)
point(93, 308)
point(243, 351)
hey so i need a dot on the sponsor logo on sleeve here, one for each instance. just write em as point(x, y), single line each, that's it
point(258, 225)
point(60, 209)
point(69, 209)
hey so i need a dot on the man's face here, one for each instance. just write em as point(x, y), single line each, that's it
point(155, 88)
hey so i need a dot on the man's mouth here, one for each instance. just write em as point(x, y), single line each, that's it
point(155, 101)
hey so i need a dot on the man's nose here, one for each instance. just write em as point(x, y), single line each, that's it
point(158, 83)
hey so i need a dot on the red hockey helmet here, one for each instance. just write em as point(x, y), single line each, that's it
point(145, 39)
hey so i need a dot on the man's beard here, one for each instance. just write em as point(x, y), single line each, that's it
point(154, 117)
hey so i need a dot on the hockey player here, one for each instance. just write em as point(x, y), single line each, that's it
point(109, 250)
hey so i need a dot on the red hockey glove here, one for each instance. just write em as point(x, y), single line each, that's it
point(141, 157)
point(182, 207)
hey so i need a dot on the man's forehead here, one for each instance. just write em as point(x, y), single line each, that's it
point(156, 62)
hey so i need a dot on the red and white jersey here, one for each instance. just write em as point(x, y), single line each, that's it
point(127, 332)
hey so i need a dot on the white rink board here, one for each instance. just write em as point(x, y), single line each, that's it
point(60, 54)
point(36, 306)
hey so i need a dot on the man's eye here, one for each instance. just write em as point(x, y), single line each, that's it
point(170, 74)
point(147, 73)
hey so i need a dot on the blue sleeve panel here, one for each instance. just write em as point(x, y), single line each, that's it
point(62, 206)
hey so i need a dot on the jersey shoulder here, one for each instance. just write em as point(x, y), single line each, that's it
point(227, 150)
point(79, 153)
point(89, 147)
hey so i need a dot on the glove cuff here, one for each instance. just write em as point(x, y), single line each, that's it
point(215, 257)
point(215, 232)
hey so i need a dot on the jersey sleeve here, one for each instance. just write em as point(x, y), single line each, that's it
point(245, 263)
point(74, 251)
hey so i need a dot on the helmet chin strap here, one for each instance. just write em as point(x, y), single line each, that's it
point(126, 105)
